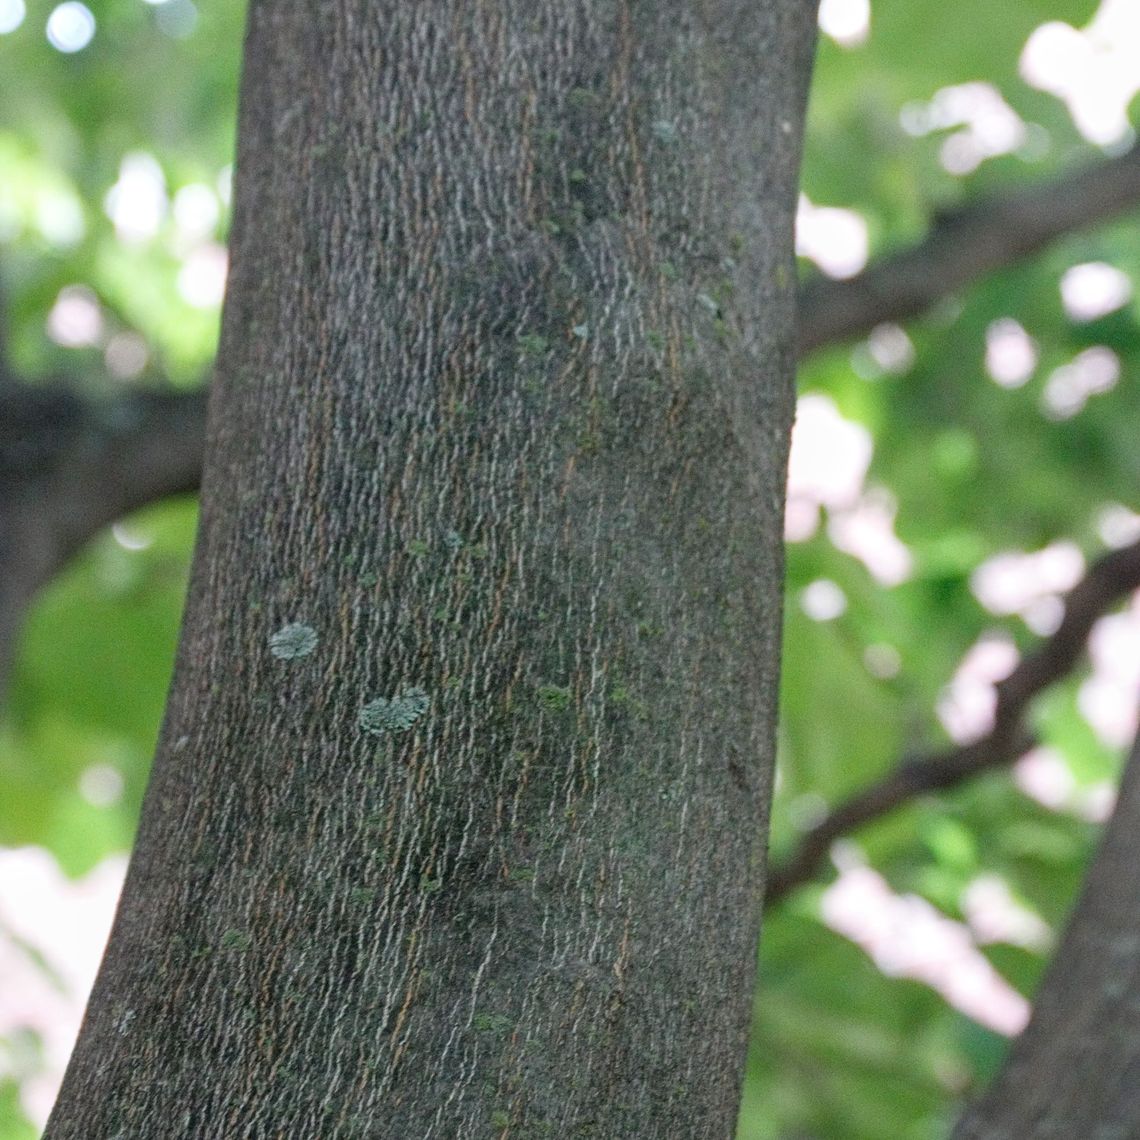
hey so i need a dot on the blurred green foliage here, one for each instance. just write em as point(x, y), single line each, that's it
point(840, 1050)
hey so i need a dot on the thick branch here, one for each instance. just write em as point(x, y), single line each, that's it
point(964, 246)
point(1110, 579)
point(69, 466)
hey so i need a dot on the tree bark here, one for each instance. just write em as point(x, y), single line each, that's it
point(1073, 1072)
point(456, 827)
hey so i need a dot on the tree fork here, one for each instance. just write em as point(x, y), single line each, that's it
point(456, 825)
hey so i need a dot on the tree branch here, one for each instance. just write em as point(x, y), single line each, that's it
point(1110, 579)
point(964, 246)
point(70, 466)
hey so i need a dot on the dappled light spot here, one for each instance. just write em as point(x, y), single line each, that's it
point(981, 124)
point(202, 278)
point(177, 18)
point(1108, 698)
point(196, 211)
point(967, 705)
point(1009, 583)
point(12, 13)
point(891, 349)
point(847, 22)
point(126, 355)
point(1089, 373)
point(829, 460)
point(1044, 776)
point(129, 538)
point(59, 218)
point(906, 937)
point(225, 184)
point(137, 203)
point(835, 239)
point(823, 600)
point(70, 27)
point(1118, 526)
point(1094, 290)
point(101, 785)
point(882, 660)
point(1094, 71)
point(867, 532)
point(994, 915)
point(66, 921)
point(75, 320)
point(1011, 353)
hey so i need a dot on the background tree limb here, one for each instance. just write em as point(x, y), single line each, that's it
point(71, 465)
point(962, 247)
point(1110, 579)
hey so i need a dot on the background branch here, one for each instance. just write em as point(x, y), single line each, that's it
point(964, 246)
point(70, 466)
point(1111, 578)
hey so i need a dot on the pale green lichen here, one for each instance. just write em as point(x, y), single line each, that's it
point(553, 698)
point(236, 940)
point(293, 640)
point(394, 714)
point(706, 302)
point(496, 1023)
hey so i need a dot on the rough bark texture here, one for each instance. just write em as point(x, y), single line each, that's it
point(1074, 1071)
point(500, 420)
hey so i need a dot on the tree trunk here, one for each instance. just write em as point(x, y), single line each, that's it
point(456, 827)
point(1075, 1070)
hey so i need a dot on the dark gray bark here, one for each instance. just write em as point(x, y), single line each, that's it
point(1075, 1069)
point(474, 846)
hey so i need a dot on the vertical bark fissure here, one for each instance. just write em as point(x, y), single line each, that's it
point(456, 824)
